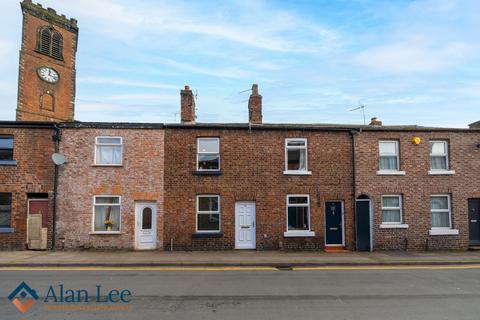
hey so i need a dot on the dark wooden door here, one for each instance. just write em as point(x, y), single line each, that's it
point(362, 220)
point(474, 220)
point(333, 223)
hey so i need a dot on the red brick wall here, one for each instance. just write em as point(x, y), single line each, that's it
point(31, 87)
point(33, 173)
point(139, 179)
point(252, 165)
point(417, 186)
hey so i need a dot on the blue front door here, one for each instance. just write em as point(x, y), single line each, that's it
point(333, 223)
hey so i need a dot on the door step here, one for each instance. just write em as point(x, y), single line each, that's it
point(335, 249)
point(474, 248)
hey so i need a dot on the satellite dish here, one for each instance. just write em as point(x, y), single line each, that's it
point(59, 159)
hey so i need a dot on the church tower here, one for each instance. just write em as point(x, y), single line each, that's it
point(46, 80)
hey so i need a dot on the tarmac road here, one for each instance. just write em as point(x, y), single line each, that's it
point(253, 293)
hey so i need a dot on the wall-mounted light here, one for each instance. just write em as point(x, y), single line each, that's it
point(416, 140)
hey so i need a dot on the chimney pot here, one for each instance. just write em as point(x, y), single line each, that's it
point(255, 106)
point(187, 106)
point(375, 122)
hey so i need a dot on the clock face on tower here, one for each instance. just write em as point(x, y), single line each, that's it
point(47, 74)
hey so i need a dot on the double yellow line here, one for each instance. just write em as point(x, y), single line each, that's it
point(246, 268)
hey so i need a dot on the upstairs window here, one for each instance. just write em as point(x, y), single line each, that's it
point(389, 156)
point(5, 210)
point(6, 149)
point(50, 42)
point(296, 156)
point(108, 151)
point(438, 155)
point(208, 154)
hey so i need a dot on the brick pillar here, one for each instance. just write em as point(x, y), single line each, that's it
point(187, 104)
point(255, 106)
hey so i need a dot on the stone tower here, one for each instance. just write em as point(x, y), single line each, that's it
point(46, 81)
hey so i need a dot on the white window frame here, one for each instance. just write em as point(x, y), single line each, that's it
point(395, 224)
point(215, 153)
point(95, 204)
point(219, 212)
point(442, 210)
point(446, 171)
point(298, 233)
point(287, 147)
point(397, 154)
point(108, 144)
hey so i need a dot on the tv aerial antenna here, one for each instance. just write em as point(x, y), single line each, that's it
point(360, 107)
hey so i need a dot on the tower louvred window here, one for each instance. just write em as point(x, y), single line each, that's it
point(50, 42)
point(44, 41)
point(57, 45)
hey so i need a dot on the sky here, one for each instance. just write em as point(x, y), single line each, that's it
point(407, 62)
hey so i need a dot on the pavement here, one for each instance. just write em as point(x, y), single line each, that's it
point(233, 258)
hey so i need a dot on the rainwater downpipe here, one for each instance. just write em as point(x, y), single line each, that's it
point(353, 133)
point(57, 137)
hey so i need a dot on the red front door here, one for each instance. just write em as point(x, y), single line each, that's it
point(39, 206)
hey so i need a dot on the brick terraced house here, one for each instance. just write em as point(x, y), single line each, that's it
point(110, 193)
point(256, 185)
point(421, 186)
point(209, 186)
point(27, 184)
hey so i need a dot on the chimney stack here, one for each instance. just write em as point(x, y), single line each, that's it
point(375, 122)
point(187, 104)
point(255, 106)
point(475, 125)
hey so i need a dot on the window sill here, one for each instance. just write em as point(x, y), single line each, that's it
point(105, 232)
point(390, 173)
point(393, 226)
point(441, 172)
point(207, 173)
point(8, 162)
point(297, 173)
point(7, 230)
point(207, 235)
point(443, 232)
point(107, 165)
point(292, 234)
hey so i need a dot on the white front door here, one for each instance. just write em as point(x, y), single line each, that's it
point(145, 225)
point(245, 225)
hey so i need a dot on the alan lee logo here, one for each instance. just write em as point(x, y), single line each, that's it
point(59, 294)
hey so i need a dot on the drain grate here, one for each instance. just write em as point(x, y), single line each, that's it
point(284, 268)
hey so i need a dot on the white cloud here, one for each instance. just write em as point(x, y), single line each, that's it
point(125, 82)
point(144, 98)
point(269, 28)
point(100, 111)
point(414, 56)
point(229, 72)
